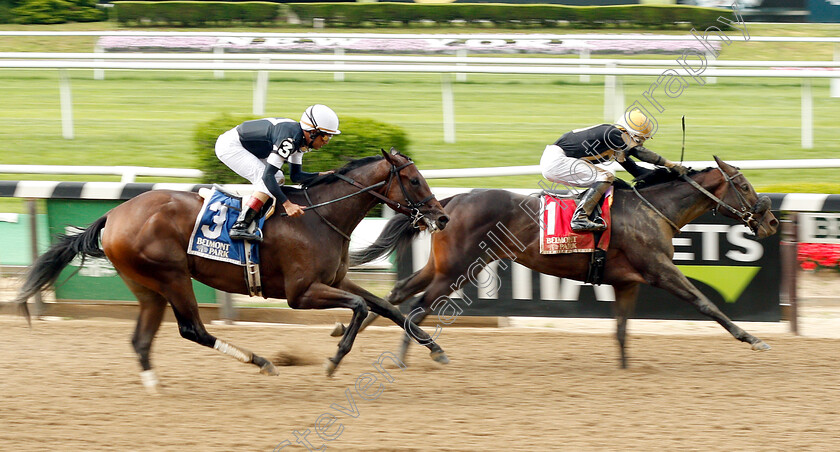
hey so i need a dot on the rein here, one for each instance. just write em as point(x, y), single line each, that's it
point(743, 214)
point(410, 209)
point(673, 225)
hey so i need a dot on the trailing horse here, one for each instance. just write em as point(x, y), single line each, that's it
point(643, 223)
point(303, 259)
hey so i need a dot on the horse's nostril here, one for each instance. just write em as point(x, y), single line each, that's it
point(441, 222)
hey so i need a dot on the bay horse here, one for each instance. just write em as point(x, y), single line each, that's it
point(304, 259)
point(643, 223)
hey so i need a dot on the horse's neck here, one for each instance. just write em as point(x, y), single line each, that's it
point(345, 214)
point(680, 202)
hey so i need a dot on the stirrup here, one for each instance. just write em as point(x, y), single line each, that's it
point(587, 225)
point(244, 234)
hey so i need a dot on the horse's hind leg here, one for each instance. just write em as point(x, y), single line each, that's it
point(623, 307)
point(152, 308)
point(180, 295)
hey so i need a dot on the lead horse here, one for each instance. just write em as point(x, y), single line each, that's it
point(643, 223)
point(304, 259)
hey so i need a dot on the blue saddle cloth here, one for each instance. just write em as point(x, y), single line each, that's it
point(210, 237)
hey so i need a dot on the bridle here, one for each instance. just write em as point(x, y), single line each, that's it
point(411, 209)
point(749, 215)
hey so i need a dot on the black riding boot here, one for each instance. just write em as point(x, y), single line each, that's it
point(239, 231)
point(580, 219)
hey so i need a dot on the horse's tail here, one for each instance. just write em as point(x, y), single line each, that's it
point(398, 233)
point(45, 270)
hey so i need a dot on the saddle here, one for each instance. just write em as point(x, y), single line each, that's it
point(557, 237)
point(210, 239)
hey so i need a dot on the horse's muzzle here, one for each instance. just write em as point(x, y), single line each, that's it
point(762, 221)
point(434, 224)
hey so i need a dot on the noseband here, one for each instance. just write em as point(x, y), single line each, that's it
point(748, 215)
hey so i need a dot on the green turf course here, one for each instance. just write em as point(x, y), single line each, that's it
point(147, 118)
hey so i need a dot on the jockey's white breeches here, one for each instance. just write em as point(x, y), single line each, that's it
point(558, 168)
point(231, 152)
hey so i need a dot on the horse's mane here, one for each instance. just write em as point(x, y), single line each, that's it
point(655, 177)
point(330, 178)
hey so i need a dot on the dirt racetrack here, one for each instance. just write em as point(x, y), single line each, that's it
point(74, 385)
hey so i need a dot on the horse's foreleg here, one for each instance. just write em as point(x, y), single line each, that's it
point(322, 296)
point(190, 326)
point(672, 280)
point(389, 311)
point(623, 307)
point(412, 285)
point(403, 290)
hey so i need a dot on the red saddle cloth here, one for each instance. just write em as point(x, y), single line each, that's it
point(556, 234)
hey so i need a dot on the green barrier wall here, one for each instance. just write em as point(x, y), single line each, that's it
point(17, 242)
point(97, 280)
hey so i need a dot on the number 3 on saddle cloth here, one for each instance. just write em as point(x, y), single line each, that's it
point(557, 237)
point(210, 237)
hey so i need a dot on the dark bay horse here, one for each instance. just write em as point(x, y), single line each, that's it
point(304, 259)
point(640, 251)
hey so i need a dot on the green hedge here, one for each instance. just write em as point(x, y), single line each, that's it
point(195, 13)
point(532, 15)
point(187, 13)
point(359, 138)
point(53, 12)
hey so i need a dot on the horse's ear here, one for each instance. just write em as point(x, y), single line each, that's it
point(394, 151)
point(723, 165)
point(387, 155)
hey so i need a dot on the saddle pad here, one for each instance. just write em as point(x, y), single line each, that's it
point(210, 237)
point(556, 236)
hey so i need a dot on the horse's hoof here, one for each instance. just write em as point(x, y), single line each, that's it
point(269, 369)
point(439, 356)
point(151, 382)
point(760, 346)
point(338, 330)
point(330, 367)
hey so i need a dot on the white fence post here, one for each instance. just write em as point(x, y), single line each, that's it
point(807, 115)
point(66, 97)
point(448, 109)
point(835, 82)
point(98, 74)
point(339, 76)
point(260, 90)
point(218, 50)
point(609, 96)
point(461, 77)
point(584, 53)
point(710, 58)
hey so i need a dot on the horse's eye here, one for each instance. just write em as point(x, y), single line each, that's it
point(745, 187)
point(415, 181)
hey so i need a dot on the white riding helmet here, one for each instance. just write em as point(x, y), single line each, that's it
point(320, 117)
point(636, 124)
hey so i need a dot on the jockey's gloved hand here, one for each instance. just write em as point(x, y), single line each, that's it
point(676, 167)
